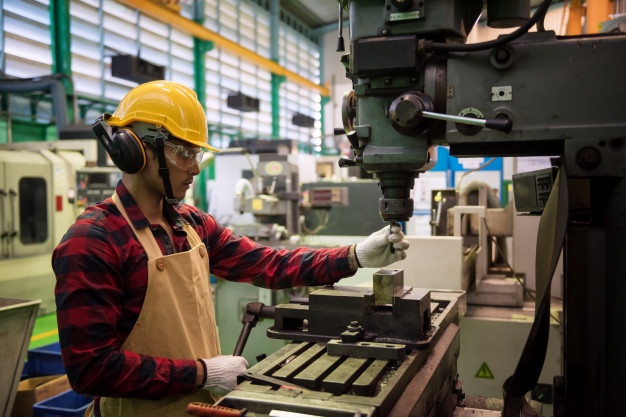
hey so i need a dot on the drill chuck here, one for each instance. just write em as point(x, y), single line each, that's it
point(396, 203)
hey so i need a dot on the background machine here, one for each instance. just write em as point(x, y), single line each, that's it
point(43, 187)
point(271, 195)
point(265, 176)
point(416, 85)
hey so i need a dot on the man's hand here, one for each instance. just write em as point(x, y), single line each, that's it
point(222, 372)
point(375, 251)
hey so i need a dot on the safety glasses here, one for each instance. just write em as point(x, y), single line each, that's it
point(182, 156)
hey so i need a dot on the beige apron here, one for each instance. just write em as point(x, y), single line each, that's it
point(177, 320)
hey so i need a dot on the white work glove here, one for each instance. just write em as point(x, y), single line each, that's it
point(222, 372)
point(375, 251)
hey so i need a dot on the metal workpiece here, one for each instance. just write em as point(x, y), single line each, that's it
point(388, 283)
point(363, 378)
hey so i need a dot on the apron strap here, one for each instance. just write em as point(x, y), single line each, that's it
point(89, 412)
point(144, 235)
point(192, 236)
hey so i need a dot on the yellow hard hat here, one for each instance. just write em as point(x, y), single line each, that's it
point(168, 104)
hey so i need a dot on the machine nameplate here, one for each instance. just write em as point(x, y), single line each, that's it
point(405, 16)
point(502, 93)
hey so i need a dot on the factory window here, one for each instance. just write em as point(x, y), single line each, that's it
point(121, 30)
point(300, 55)
point(25, 53)
point(227, 74)
point(26, 43)
point(33, 205)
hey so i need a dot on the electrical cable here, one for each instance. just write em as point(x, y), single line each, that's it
point(323, 217)
point(481, 46)
point(457, 188)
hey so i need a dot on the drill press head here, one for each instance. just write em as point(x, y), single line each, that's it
point(394, 81)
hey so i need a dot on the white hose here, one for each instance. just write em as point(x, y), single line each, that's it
point(243, 191)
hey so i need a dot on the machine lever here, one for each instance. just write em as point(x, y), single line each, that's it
point(345, 162)
point(341, 47)
point(250, 317)
point(501, 125)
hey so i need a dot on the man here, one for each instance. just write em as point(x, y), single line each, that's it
point(134, 305)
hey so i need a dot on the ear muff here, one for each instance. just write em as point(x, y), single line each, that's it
point(131, 152)
point(123, 146)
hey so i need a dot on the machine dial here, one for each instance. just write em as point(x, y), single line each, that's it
point(348, 111)
point(467, 129)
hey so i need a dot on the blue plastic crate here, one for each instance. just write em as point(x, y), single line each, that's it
point(66, 404)
point(45, 360)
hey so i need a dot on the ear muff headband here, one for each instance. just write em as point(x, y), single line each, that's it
point(124, 147)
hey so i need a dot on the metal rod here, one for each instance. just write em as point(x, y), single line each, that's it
point(457, 119)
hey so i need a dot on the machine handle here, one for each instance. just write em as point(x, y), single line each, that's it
point(345, 162)
point(243, 338)
point(501, 125)
point(341, 47)
point(210, 410)
point(254, 311)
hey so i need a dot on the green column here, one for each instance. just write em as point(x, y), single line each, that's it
point(277, 80)
point(274, 56)
point(200, 48)
point(61, 45)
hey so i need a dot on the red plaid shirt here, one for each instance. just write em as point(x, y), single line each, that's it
point(101, 271)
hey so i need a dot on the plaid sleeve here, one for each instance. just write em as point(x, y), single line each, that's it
point(236, 258)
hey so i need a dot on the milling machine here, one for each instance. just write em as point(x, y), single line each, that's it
point(417, 85)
